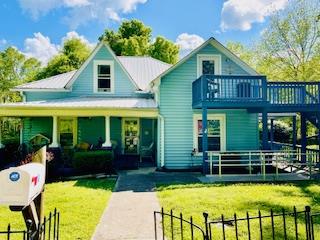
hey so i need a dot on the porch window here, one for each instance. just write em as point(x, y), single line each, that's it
point(104, 75)
point(216, 133)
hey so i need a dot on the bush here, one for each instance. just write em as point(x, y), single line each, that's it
point(93, 161)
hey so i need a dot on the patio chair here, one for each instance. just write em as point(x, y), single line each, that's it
point(147, 152)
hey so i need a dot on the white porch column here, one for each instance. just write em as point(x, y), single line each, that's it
point(107, 142)
point(1, 145)
point(54, 142)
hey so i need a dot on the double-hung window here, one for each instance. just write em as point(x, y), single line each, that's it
point(215, 130)
point(103, 76)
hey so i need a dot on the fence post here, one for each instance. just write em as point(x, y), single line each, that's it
point(205, 215)
point(308, 222)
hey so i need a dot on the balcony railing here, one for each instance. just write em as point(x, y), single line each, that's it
point(216, 90)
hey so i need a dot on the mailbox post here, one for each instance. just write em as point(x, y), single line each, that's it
point(23, 189)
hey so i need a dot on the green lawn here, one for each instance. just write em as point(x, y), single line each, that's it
point(81, 204)
point(217, 199)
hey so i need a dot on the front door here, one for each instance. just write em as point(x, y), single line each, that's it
point(130, 133)
point(67, 132)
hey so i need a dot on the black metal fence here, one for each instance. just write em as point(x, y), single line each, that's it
point(49, 229)
point(297, 225)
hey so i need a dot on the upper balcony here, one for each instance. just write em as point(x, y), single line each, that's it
point(230, 91)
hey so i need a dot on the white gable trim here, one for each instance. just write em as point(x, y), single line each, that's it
point(221, 48)
point(92, 55)
point(217, 62)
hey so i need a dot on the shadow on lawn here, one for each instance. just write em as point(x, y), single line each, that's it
point(105, 184)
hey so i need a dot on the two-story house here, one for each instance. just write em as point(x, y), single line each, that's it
point(135, 102)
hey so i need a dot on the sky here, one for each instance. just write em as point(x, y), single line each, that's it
point(39, 27)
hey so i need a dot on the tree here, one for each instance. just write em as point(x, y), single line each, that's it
point(133, 38)
point(164, 50)
point(15, 68)
point(247, 54)
point(72, 55)
point(289, 45)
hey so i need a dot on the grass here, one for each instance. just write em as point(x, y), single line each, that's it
point(81, 204)
point(217, 199)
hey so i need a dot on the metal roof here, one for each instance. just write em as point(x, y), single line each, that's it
point(88, 102)
point(55, 82)
point(141, 69)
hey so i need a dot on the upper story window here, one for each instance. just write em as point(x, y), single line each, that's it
point(103, 76)
point(209, 64)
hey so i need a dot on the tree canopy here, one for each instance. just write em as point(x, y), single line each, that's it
point(289, 48)
point(15, 68)
point(72, 55)
point(133, 38)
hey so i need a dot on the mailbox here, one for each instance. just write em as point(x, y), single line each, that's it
point(21, 185)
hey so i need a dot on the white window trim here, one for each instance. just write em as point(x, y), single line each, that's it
point(95, 75)
point(203, 57)
point(221, 118)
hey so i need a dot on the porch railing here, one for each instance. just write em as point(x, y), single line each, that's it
point(314, 154)
point(261, 163)
point(254, 89)
point(229, 88)
point(293, 93)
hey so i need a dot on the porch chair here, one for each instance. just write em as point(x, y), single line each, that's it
point(147, 152)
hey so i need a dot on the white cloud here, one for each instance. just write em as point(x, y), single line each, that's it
point(74, 34)
point(241, 14)
point(41, 47)
point(113, 15)
point(188, 42)
point(80, 12)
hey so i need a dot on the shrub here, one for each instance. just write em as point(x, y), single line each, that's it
point(93, 161)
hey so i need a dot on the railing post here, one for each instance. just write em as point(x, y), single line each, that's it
point(303, 133)
point(264, 166)
point(294, 132)
point(271, 133)
point(308, 222)
point(277, 169)
point(264, 88)
point(264, 129)
point(250, 158)
point(210, 157)
point(220, 169)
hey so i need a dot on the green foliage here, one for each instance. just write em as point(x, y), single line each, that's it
point(227, 199)
point(289, 47)
point(71, 57)
point(133, 38)
point(93, 161)
point(165, 50)
point(15, 68)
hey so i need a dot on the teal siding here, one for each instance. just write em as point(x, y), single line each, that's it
point(83, 85)
point(36, 125)
point(176, 108)
point(90, 129)
point(38, 96)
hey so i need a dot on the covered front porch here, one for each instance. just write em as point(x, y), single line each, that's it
point(128, 127)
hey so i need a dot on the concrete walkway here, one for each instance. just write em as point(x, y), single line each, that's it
point(129, 214)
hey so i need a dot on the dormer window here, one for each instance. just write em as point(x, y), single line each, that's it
point(103, 76)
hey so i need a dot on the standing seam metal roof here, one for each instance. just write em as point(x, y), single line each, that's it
point(142, 70)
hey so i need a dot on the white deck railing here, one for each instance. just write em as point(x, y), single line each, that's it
point(262, 163)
